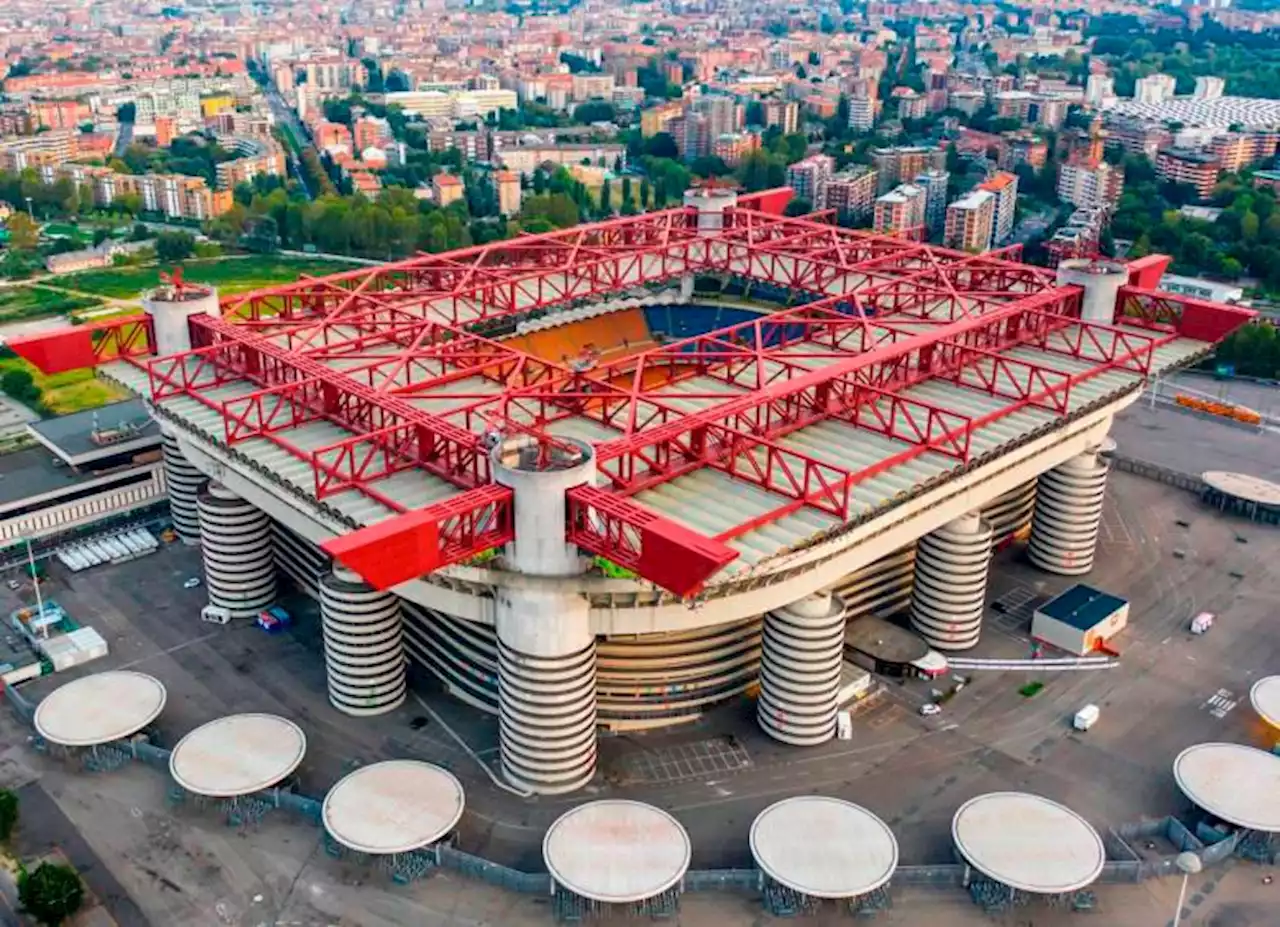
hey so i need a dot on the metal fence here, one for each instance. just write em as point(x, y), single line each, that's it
point(1161, 474)
point(710, 880)
point(476, 867)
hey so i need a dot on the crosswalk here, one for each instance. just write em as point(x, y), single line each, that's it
point(1220, 703)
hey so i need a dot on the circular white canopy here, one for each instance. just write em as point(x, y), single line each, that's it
point(1265, 698)
point(1239, 784)
point(393, 807)
point(237, 755)
point(100, 708)
point(824, 847)
point(1028, 842)
point(616, 851)
point(1244, 486)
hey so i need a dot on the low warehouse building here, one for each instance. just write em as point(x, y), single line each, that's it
point(1080, 620)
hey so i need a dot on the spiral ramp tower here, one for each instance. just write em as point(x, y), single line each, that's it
point(547, 718)
point(951, 583)
point(184, 483)
point(239, 561)
point(1064, 531)
point(363, 645)
point(800, 670)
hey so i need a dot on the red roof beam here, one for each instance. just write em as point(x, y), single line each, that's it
point(1169, 312)
point(666, 553)
point(454, 530)
point(86, 345)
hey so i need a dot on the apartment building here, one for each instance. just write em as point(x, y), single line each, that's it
point(181, 197)
point(785, 114)
point(1198, 169)
point(851, 193)
point(658, 118)
point(1238, 150)
point(257, 157)
point(902, 209)
point(808, 178)
point(862, 113)
point(733, 147)
point(506, 185)
point(1004, 187)
point(31, 151)
point(970, 221)
point(898, 164)
point(1090, 184)
point(934, 184)
point(371, 132)
point(447, 189)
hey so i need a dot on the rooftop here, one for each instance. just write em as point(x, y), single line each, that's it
point(416, 349)
point(1082, 606)
point(82, 437)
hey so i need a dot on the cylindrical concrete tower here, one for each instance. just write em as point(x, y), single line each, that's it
point(1064, 531)
point(363, 645)
point(184, 483)
point(951, 583)
point(1101, 281)
point(546, 649)
point(235, 537)
point(711, 203)
point(170, 307)
point(800, 670)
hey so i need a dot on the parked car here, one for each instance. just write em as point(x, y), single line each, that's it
point(191, 583)
point(930, 708)
point(14, 584)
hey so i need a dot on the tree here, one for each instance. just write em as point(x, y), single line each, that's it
point(595, 111)
point(125, 112)
point(661, 145)
point(397, 81)
point(558, 209)
point(100, 237)
point(8, 813)
point(20, 385)
point(51, 894)
point(644, 193)
point(798, 207)
point(606, 198)
point(709, 166)
point(24, 234)
point(174, 246)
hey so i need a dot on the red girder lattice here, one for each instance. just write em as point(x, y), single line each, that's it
point(372, 351)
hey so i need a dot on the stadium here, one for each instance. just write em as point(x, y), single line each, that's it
point(617, 475)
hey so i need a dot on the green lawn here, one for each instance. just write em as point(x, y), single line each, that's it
point(229, 275)
point(34, 301)
point(73, 391)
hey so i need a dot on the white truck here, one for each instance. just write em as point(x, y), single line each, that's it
point(1086, 718)
point(1202, 622)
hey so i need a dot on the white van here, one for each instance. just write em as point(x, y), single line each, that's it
point(1202, 622)
point(1086, 718)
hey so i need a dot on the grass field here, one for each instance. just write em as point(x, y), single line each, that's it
point(229, 275)
point(73, 391)
point(28, 302)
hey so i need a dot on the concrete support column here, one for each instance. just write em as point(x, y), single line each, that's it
point(239, 568)
point(1064, 531)
point(800, 670)
point(949, 595)
point(546, 690)
point(363, 645)
point(184, 483)
point(546, 649)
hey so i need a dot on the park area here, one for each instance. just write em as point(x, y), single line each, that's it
point(60, 393)
point(33, 301)
point(228, 274)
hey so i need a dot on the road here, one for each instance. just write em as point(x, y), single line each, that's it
point(287, 116)
point(123, 138)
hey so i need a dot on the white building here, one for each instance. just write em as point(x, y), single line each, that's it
point(1154, 88)
point(1209, 88)
point(1098, 90)
point(862, 114)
